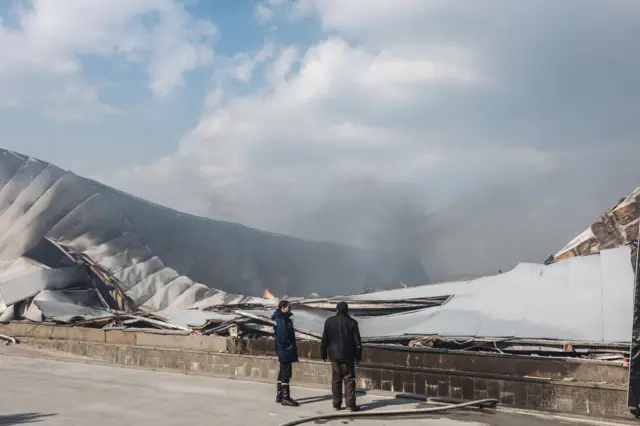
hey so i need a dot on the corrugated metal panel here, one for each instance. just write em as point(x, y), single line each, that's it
point(26, 286)
point(431, 290)
point(69, 312)
point(17, 268)
point(192, 317)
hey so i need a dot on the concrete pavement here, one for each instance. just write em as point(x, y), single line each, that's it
point(53, 392)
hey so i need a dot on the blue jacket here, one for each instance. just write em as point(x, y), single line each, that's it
point(285, 337)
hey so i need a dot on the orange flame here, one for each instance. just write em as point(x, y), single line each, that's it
point(267, 295)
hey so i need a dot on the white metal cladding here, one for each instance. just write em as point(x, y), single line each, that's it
point(581, 299)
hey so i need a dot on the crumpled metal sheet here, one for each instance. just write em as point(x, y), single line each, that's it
point(35, 314)
point(69, 312)
point(586, 299)
point(303, 318)
point(216, 298)
point(17, 268)
point(26, 286)
point(164, 258)
point(192, 317)
point(563, 301)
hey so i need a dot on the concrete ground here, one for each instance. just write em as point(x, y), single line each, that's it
point(50, 391)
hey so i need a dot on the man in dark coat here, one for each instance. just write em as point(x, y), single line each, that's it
point(342, 345)
point(286, 349)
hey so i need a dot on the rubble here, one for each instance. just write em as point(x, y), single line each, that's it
point(498, 313)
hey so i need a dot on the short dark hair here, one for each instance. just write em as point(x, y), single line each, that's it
point(342, 308)
point(282, 304)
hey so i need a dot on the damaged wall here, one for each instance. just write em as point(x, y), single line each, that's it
point(616, 227)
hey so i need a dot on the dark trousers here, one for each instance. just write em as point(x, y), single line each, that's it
point(343, 371)
point(284, 375)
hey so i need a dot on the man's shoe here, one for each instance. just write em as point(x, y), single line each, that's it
point(354, 409)
point(337, 408)
point(288, 402)
point(286, 397)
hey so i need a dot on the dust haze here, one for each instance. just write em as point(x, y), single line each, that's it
point(489, 227)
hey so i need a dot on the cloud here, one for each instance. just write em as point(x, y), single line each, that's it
point(244, 63)
point(471, 138)
point(45, 45)
point(263, 13)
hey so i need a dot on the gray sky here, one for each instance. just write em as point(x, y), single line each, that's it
point(474, 134)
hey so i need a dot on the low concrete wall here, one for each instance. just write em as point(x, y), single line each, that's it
point(46, 331)
point(431, 373)
point(465, 363)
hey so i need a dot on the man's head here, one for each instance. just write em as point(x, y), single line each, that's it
point(284, 306)
point(342, 308)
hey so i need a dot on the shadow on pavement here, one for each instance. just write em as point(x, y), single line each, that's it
point(314, 399)
point(24, 418)
point(323, 398)
point(383, 403)
point(380, 403)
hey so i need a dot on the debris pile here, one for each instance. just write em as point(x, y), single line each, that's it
point(585, 301)
point(77, 253)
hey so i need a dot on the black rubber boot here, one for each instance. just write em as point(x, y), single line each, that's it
point(279, 394)
point(286, 396)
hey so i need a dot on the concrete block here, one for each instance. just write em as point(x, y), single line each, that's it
point(119, 337)
point(49, 331)
point(35, 331)
point(198, 343)
point(601, 373)
point(77, 334)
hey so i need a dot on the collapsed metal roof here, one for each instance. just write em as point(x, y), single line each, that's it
point(74, 251)
point(582, 299)
point(166, 258)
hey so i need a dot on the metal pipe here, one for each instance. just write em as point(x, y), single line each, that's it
point(9, 339)
point(395, 413)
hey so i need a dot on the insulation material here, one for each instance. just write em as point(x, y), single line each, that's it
point(616, 227)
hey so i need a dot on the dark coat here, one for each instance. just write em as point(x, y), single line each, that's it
point(341, 339)
point(285, 337)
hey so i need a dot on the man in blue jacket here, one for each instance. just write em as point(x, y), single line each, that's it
point(286, 349)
